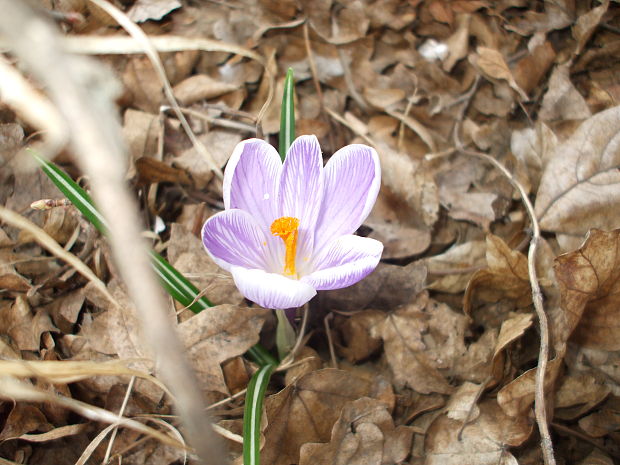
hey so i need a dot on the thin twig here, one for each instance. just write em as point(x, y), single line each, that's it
point(330, 342)
point(121, 411)
point(543, 354)
point(540, 410)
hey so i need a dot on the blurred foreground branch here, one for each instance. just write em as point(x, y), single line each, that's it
point(83, 92)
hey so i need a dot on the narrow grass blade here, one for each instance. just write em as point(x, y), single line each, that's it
point(252, 414)
point(287, 114)
point(73, 192)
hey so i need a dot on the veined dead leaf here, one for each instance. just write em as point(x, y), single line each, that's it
point(364, 434)
point(482, 442)
point(506, 277)
point(589, 280)
point(306, 412)
point(580, 187)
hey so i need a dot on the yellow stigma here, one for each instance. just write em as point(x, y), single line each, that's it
point(286, 228)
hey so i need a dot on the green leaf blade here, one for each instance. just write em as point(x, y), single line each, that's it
point(287, 114)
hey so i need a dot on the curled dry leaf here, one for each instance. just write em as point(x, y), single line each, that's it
point(483, 441)
point(491, 62)
point(586, 24)
point(506, 277)
point(462, 404)
point(356, 335)
point(307, 410)
point(364, 434)
point(23, 326)
point(589, 281)
point(517, 397)
point(577, 395)
point(23, 418)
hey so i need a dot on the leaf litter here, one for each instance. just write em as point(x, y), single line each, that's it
point(430, 360)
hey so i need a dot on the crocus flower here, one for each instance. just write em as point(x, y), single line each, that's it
point(287, 228)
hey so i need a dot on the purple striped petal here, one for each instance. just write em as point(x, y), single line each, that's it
point(344, 262)
point(234, 238)
point(301, 189)
point(352, 182)
point(251, 179)
point(271, 290)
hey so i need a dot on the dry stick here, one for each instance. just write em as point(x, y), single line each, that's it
point(121, 411)
point(76, 85)
point(543, 354)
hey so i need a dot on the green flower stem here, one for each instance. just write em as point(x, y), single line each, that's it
point(252, 414)
point(287, 114)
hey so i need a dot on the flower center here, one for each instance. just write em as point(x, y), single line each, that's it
point(286, 228)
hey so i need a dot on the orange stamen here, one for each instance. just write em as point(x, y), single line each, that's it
point(286, 228)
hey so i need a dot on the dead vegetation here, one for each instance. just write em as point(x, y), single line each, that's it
point(497, 128)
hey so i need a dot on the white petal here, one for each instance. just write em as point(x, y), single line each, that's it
point(344, 262)
point(271, 290)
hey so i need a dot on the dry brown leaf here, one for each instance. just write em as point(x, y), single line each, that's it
point(589, 281)
point(517, 397)
point(363, 435)
point(506, 277)
point(140, 133)
point(385, 288)
point(462, 404)
point(307, 410)
point(458, 43)
point(349, 23)
point(355, 332)
point(64, 310)
point(562, 100)
point(512, 329)
point(533, 148)
point(406, 350)
point(577, 395)
point(529, 71)
point(491, 62)
point(24, 418)
point(482, 442)
point(586, 24)
point(23, 327)
point(452, 270)
point(216, 335)
point(580, 187)
point(199, 87)
point(601, 423)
